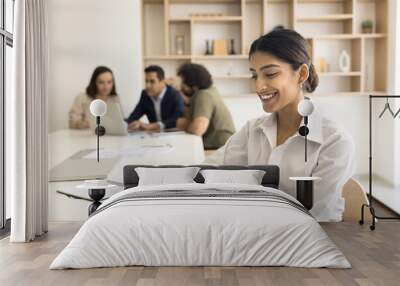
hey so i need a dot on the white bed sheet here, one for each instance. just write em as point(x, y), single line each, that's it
point(193, 231)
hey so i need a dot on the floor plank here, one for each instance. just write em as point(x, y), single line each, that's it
point(375, 257)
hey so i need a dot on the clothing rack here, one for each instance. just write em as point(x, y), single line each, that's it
point(370, 205)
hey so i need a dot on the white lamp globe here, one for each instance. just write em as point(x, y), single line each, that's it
point(305, 107)
point(98, 107)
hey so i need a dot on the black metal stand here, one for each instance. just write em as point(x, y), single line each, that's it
point(369, 205)
point(305, 193)
point(96, 195)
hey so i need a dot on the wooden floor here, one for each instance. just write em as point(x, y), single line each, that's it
point(375, 257)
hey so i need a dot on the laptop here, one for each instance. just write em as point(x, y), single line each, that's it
point(113, 121)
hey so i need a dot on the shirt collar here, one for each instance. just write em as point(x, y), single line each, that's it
point(269, 126)
point(161, 95)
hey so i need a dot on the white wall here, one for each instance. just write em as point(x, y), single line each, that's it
point(394, 79)
point(83, 35)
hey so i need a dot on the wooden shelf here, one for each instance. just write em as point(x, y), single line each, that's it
point(304, 1)
point(225, 57)
point(217, 19)
point(170, 57)
point(196, 57)
point(346, 36)
point(321, 1)
point(338, 74)
point(373, 36)
point(333, 17)
point(193, 1)
point(207, 19)
point(248, 1)
point(179, 20)
point(315, 94)
point(245, 20)
point(233, 77)
point(346, 94)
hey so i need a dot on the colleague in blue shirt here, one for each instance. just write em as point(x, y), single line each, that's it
point(161, 103)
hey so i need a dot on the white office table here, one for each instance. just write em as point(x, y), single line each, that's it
point(185, 149)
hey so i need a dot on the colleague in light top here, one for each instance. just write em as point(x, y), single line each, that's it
point(206, 114)
point(282, 70)
point(101, 86)
point(161, 103)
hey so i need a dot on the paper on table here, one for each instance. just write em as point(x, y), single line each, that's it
point(146, 134)
point(138, 151)
point(141, 150)
point(103, 154)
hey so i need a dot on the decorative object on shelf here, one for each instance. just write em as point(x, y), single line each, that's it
point(305, 185)
point(220, 47)
point(367, 27)
point(180, 44)
point(209, 47)
point(322, 65)
point(344, 62)
point(369, 205)
point(232, 47)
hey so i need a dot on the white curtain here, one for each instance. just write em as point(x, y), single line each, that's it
point(28, 122)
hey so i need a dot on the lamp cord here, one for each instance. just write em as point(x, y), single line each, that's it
point(98, 143)
point(305, 148)
point(98, 137)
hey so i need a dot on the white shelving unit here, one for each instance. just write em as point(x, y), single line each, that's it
point(329, 26)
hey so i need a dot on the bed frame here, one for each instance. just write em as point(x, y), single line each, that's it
point(270, 179)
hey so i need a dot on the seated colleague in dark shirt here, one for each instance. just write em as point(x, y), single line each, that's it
point(161, 103)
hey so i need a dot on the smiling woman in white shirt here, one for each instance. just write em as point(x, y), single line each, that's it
point(282, 70)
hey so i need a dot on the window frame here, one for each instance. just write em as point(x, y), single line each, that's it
point(6, 39)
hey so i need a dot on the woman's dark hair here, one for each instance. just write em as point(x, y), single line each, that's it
point(195, 75)
point(157, 69)
point(290, 47)
point(91, 89)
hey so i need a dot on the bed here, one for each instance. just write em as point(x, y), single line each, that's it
point(198, 224)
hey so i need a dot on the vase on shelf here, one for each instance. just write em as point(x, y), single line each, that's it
point(180, 44)
point(232, 47)
point(208, 47)
point(344, 61)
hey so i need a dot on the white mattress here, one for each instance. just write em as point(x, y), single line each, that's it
point(203, 231)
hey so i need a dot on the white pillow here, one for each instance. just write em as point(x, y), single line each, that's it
point(165, 176)
point(248, 177)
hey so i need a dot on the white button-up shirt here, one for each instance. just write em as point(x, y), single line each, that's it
point(330, 157)
point(157, 106)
